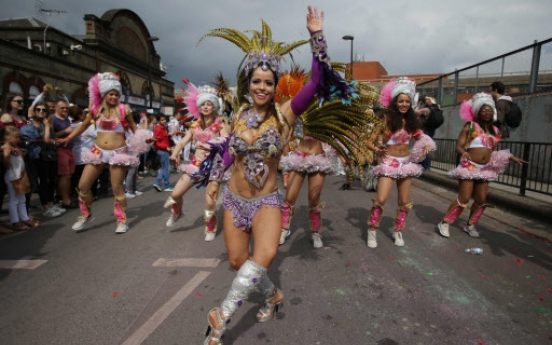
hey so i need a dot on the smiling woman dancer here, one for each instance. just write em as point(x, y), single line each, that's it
point(399, 162)
point(111, 119)
point(252, 201)
point(480, 163)
point(204, 105)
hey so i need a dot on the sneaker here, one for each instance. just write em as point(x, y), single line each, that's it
point(444, 229)
point(284, 235)
point(471, 230)
point(60, 210)
point(157, 188)
point(317, 240)
point(372, 243)
point(137, 193)
point(210, 236)
point(81, 221)
point(130, 195)
point(173, 219)
point(168, 189)
point(121, 228)
point(51, 213)
point(397, 235)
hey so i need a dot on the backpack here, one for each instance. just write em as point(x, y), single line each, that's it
point(435, 118)
point(513, 116)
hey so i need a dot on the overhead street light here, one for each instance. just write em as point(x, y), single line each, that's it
point(150, 88)
point(350, 38)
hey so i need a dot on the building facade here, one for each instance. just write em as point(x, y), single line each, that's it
point(33, 54)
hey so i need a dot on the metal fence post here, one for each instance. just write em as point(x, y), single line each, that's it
point(440, 92)
point(535, 68)
point(524, 169)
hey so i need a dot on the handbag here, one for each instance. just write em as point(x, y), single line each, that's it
point(22, 185)
point(48, 153)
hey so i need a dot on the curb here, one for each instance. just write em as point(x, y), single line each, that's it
point(519, 205)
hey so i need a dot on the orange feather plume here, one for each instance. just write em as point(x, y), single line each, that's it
point(290, 84)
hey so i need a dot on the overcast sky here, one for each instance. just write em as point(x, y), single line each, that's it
point(407, 37)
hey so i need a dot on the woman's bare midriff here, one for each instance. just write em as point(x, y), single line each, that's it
point(239, 185)
point(313, 147)
point(110, 140)
point(402, 150)
point(480, 155)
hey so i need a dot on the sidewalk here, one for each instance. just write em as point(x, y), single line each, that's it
point(533, 205)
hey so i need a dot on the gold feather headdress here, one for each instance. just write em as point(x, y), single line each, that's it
point(345, 127)
point(260, 50)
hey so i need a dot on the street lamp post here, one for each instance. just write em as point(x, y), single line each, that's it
point(150, 88)
point(350, 38)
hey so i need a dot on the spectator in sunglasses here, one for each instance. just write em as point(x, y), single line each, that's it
point(13, 105)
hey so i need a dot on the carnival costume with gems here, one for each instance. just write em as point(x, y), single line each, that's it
point(98, 86)
point(268, 144)
point(195, 98)
point(468, 170)
point(398, 167)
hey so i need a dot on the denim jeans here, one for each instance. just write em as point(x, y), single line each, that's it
point(426, 163)
point(130, 182)
point(164, 173)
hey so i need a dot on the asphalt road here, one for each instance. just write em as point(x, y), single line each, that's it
point(155, 285)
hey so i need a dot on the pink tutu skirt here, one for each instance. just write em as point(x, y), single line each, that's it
point(190, 168)
point(468, 170)
point(309, 163)
point(119, 156)
point(397, 168)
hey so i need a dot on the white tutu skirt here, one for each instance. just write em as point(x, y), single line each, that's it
point(310, 163)
point(468, 170)
point(119, 156)
point(397, 168)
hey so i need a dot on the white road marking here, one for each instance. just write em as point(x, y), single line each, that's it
point(21, 264)
point(156, 319)
point(162, 262)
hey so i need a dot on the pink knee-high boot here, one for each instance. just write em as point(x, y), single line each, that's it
point(476, 212)
point(314, 217)
point(375, 214)
point(176, 208)
point(287, 213)
point(455, 212)
point(400, 218)
point(85, 203)
point(119, 209)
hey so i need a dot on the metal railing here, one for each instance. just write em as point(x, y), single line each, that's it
point(535, 176)
point(524, 71)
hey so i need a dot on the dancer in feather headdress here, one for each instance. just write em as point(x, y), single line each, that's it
point(313, 156)
point(204, 105)
point(112, 120)
point(480, 163)
point(399, 163)
point(252, 201)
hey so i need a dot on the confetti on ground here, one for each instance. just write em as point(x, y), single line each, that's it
point(550, 290)
point(542, 239)
point(350, 264)
point(542, 298)
point(483, 277)
point(114, 294)
point(543, 278)
point(518, 260)
point(528, 277)
point(198, 294)
point(507, 266)
point(480, 342)
point(390, 257)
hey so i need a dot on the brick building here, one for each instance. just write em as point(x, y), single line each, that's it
point(375, 75)
point(33, 54)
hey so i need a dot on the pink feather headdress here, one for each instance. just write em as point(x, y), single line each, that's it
point(385, 97)
point(95, 98)
point(190, 101)
point(466, 113)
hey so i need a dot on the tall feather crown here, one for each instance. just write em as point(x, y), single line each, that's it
point(260, 49)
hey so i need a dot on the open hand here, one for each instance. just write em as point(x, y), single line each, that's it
point(314, 19)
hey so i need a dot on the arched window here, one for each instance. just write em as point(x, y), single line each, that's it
point(33, 92)
point(15, 87)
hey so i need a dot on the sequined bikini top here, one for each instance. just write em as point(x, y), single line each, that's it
point(477, 137)
point(204, 135)
point(115, 124)
point(268, 143)
point(400, 137)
